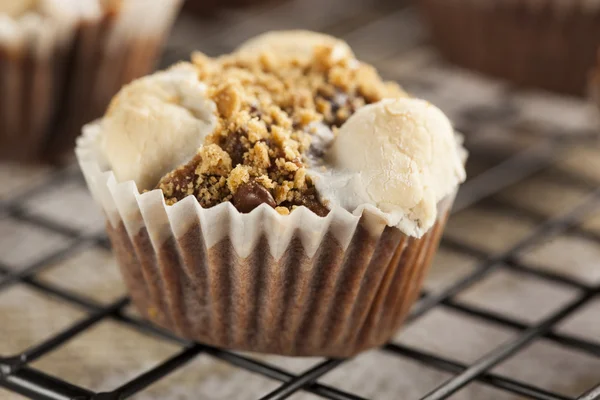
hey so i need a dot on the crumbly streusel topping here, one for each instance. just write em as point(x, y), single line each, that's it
point(268, 111)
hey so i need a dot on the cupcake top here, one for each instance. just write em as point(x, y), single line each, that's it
point(21, 19)
point(70, 9)
point(290, 119)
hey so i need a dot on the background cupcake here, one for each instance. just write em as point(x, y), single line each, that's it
point(62, 60)
point(294, 208)
point(547, 44)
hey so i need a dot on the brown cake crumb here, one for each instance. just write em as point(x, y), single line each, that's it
point(267, 107)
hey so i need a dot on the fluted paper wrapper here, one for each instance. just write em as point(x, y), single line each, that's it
point(56, 75)
point(295, 285)
point(30, 61)
point(542, 43)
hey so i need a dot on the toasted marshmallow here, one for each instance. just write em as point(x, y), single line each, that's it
point(399, 157)
point(71, 11)
point(156, 124)
point(296, 43)
point(16, 8)
point(52, 8)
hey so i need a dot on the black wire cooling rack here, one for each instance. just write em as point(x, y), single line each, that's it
point(502, 169)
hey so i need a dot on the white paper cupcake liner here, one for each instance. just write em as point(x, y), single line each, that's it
point(31, 55)
point(296, 285)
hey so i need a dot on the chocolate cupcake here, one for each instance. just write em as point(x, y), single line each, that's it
point(280, 199)
point(547, 44)
point(61, 61)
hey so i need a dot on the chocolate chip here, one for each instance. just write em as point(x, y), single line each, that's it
point(310, 200)
point(233, 145)
point(255, 112)
point(315, 206)
point(251, 195)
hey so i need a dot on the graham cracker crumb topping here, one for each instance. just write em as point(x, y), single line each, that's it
point(267, 110)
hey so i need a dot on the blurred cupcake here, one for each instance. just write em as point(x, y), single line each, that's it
point(293, 208)
point(62, 60)
point(548, 44)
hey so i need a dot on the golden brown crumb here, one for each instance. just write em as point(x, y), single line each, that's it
point(239, 176)
point(282, 210)
point(267, 106)
point(215, 161)
point(228, 99)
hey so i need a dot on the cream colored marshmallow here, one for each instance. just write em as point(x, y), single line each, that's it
point(398, 156)
point(296, 43)
point(70, 11)
point(16, 8)
point(156, 124)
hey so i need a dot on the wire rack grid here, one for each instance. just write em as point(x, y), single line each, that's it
point(507, 148)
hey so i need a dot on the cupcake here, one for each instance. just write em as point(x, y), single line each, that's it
point(61, 61)
point(280, 199)
point(547, 44)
